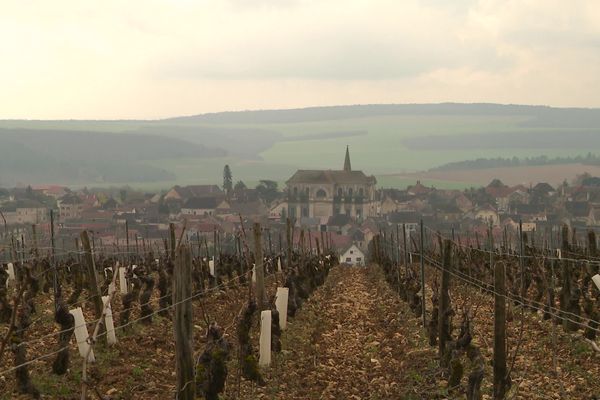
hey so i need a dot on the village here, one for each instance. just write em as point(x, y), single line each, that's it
point(343, 208)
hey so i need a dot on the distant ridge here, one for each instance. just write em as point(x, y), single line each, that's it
point(320, 113)
point(311, 114)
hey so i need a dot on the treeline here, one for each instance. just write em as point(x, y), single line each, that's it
point(589, 159)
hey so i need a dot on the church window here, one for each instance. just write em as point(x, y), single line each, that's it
point(321, 194)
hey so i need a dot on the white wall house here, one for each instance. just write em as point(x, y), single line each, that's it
point(353, 256)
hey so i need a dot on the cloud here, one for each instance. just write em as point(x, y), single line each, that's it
point(329, 43)
point(150, 58)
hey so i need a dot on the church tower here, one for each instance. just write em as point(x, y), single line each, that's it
point(347, 166)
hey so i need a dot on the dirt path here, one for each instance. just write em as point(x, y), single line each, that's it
point(353, 339)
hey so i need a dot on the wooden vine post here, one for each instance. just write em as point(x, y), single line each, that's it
point(259, 268)
point(172, 239)
point(500, 383)
point(444, 307)
point(422, 249)
point(183, 324)
point(127, 241)
point(92, 275)
point(289, 245)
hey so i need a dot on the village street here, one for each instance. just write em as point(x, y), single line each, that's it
point(353, 339)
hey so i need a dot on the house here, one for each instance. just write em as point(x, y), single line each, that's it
point(184, 193)
point(54, 191)
point(486, 214)
point(324, 193)
point(387, 205)
point(518, 196)
point(278, 210)
point(419, 190)
point(353, 256)
point(531, 212)
point(253, 210)
point(448, 213)
point(501, 193)
point(544, 189)
point(410, 220)
point(70, 206)
point(579, 211)
point(463, 202)
point(340, 223)
point(24, 212)
point(200, 206)
point(358, 237)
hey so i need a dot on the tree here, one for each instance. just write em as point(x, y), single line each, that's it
point(227, 180)
point(239, 185)
point(267, 190)
point(123, 195)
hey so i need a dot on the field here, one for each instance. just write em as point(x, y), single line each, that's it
point(553, 174)
point(390, 142)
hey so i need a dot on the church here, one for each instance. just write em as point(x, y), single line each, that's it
point(325, 193)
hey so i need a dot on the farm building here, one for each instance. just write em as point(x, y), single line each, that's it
point(353, 256)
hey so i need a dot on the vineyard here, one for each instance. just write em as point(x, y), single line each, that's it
point(435, 315)
point(177, 322)
point(508, 320)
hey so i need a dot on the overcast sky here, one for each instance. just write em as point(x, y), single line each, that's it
point(158, 58)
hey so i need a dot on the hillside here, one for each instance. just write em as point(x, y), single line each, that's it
point(385, 140)
point(40, 156)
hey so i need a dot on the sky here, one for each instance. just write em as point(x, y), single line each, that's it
point(113, 59)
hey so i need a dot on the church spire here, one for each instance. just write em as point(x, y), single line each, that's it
point(347, 166)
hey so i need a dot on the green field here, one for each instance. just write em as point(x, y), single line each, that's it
point(267, 146)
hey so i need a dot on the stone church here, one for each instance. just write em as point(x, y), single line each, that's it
point(324, 193)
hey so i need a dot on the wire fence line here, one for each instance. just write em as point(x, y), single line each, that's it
point(93, 322)
point(554, 312)
point(540, 254)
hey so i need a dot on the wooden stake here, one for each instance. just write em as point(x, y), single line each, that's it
point(92, 275)
point(259, 268)
point(499, 332)
point(288, 263)
point(183, 325)
point(444, 308)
